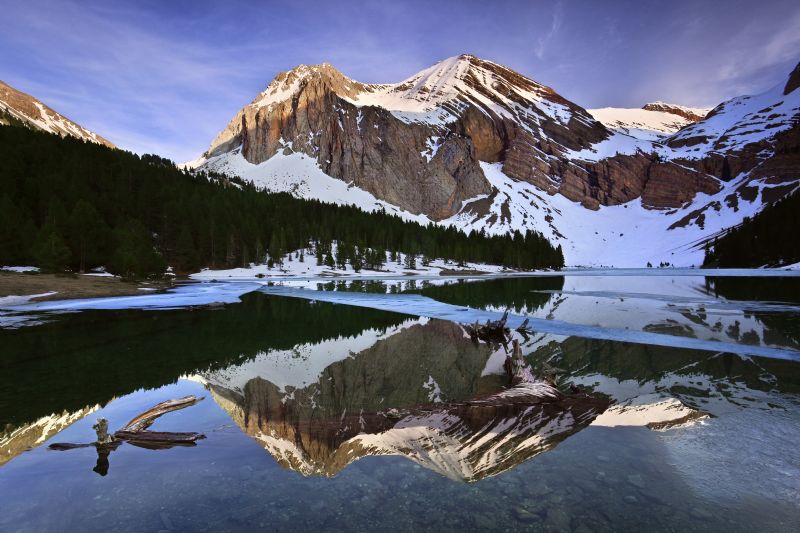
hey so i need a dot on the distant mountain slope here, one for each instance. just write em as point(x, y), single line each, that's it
point(24, 109)
point(691, 114)
point(470, 143)
point(652, 122)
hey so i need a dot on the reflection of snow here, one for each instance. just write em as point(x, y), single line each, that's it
point(677, 305)
point(15, 441)
point(648, 410)
point(434, 391)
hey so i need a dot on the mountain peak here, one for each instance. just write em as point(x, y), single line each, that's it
point(288, 83)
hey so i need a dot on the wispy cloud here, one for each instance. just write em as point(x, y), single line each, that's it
point(754, 50)
point(555, 25)
point(126, 79)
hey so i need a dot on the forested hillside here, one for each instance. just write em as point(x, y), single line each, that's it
point(70, 205)
point(771, 238)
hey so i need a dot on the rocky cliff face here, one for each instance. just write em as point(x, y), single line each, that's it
point(24, 109)
point(691, 114)
point(417, 144)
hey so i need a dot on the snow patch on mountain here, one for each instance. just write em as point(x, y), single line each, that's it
point(626, 235)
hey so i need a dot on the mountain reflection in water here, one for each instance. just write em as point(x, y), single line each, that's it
point(418, 391)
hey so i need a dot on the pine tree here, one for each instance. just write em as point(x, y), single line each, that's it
point(86, 230)
point(185, 253)
point(411, 261)
point(51, 250)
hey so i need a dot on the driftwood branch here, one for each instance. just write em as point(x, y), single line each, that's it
point(146, 419)
point(135, 432)
point(493, 331)
point(516, 368)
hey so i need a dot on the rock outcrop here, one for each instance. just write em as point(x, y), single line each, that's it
point(410, 164)
point(692, 114)
point(793, 82)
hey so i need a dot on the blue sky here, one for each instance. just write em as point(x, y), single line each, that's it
point(167, 76)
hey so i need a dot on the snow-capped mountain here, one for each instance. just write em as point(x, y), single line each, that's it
point(30, 112)
point(653, 121)
point(472, 143)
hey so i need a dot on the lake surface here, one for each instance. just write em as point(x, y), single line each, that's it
point(366, 405)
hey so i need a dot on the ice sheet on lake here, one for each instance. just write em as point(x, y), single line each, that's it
point(183, 296)
point(564, 324)
point(415, 304)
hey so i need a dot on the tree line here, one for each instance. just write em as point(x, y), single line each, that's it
point(67, 204)
point(770, 238)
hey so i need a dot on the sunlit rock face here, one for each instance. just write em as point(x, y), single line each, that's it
point(419, 393)
point(15, 440)
point(416, 144)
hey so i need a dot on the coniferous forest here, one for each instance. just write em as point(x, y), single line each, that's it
point(770, 238)
point(70, 205)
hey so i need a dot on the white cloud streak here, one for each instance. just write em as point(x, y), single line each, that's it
point(555, 25)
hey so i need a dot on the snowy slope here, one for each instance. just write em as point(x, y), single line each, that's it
point(627, 235)
point(642, 123)
point(734, 124)
point(437, 94)
point(35, 114)
point(293, 267)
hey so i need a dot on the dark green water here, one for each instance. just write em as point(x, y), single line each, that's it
point(303, 432)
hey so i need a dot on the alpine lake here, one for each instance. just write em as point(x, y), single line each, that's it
point(367, 405)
